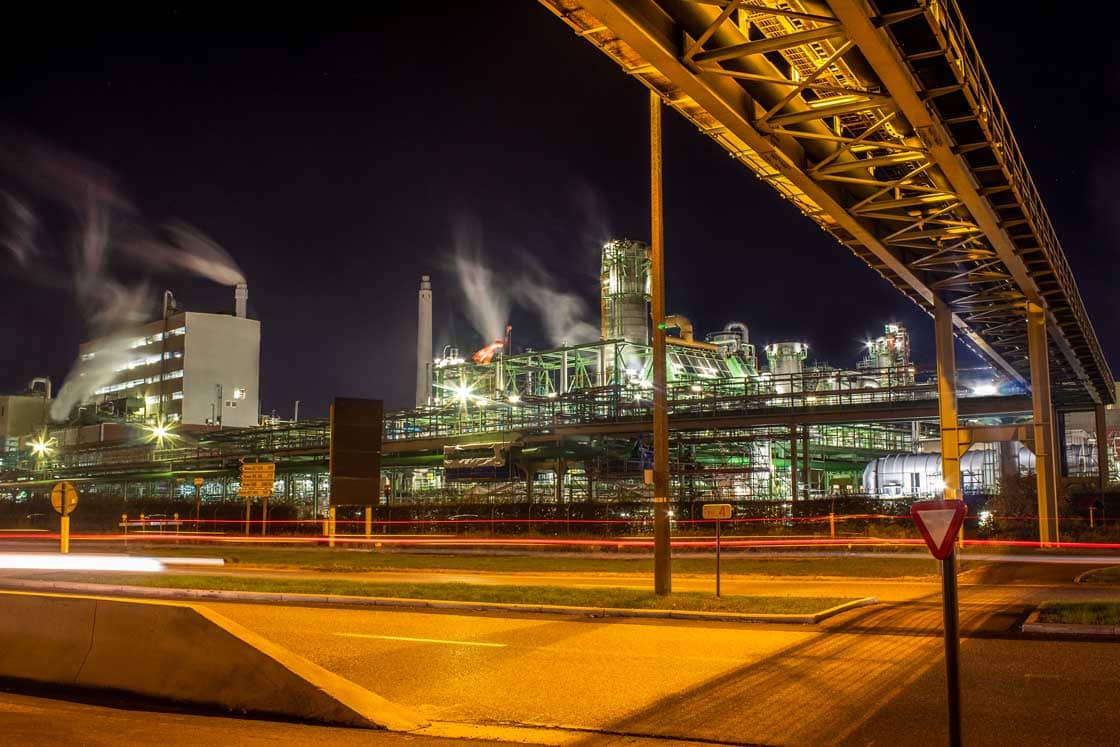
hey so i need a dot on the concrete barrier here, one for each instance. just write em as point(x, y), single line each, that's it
point(179, 652)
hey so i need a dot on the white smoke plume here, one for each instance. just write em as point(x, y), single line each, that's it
point(564, 315)
point(63, 220)
point(488, 303)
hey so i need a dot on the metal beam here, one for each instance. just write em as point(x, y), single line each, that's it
point(947, 399)
point(771, 44)
point(1043, 433)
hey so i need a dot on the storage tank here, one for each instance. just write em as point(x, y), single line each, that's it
point(786, 358)
point(625, 292)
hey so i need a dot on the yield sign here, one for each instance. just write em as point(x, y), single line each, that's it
point(939, 522)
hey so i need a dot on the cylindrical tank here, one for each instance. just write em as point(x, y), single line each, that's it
point(731, 339)
point(920, 474)
point(786, 358)
point(625, 291)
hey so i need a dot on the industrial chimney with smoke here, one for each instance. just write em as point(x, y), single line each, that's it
point(241, 300)
point(424, 343)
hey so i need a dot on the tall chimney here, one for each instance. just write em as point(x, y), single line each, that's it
point(240, 299)
point(424, 343)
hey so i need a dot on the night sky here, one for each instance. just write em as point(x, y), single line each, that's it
point(336, 168)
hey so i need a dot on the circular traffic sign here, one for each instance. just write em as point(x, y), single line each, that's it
point(64, 498)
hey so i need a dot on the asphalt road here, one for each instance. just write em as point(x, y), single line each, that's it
point(873, 676)
point(870, 677)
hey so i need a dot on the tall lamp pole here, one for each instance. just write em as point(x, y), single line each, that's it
point(662, 558)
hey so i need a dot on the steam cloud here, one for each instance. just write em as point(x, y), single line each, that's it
point(490, 298)
point(564, 314)
point(64, 221)
point(488, 303)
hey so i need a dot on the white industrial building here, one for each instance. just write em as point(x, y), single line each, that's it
point(188, 367)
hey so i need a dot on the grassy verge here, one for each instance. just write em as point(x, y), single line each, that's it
point(326, 560)
point(556, 595)
point(1080, 613)
point(1109, 575)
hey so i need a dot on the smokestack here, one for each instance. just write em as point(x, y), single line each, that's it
point(424, 343)
point(241, 299)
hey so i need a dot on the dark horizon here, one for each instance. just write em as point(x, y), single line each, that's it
point(338, 168)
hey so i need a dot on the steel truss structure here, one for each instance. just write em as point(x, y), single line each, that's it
point(878, 120)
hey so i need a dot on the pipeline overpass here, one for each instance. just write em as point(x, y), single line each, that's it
point(879, 121)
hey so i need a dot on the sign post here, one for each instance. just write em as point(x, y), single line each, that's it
point(939, 522)
point(64, 499)
point(719, 512)
point(256, 481)
point(198, 503)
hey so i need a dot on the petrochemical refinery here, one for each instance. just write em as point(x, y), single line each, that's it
point(763, 425)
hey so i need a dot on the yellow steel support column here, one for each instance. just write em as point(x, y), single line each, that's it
point(947, 399)
point(64, 534)
point(1043, 433)
point(662, 560)
point(369, 522)
point(1102, 448)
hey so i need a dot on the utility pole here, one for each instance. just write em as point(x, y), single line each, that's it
point(662, 558)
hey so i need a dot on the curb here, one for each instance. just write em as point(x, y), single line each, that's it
point(1080, 579)
point(1066, 629)
point(148, 592)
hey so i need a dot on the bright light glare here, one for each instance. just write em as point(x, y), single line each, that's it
point(514, 398)
point(937, 484)
point(985, 390)
point(696, 388)
point(551, 395)
point(39, 447)
point(161, 431)
point(58, 562)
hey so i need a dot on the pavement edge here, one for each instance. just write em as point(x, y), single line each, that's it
point(148, 592)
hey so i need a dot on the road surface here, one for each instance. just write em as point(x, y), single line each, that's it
point(872, 676)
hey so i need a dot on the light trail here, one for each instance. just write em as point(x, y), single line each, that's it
point(608, 543)
point(421, 640)
point(74, 562)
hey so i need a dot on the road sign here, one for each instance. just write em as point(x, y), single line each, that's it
point(64, 498)
point(716, 511)
point(257, 479)
point(939, 522)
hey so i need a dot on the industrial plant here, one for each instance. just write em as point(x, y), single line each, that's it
point(532, 432)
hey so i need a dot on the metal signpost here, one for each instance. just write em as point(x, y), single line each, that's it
point(256, 481)
point(198, 503)
point(64, 498)
point(939, 522)
point(719, 512)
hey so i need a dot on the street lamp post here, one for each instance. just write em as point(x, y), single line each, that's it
point(662, 559)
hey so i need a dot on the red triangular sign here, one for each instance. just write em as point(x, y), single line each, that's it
point(939, 522)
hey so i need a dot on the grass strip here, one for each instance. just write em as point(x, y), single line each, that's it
point(1080, 613)
point(554, 595)
point(349, 561)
